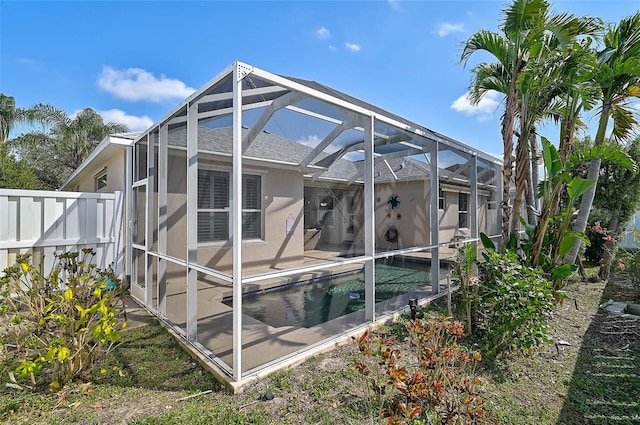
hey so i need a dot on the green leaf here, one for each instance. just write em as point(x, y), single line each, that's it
point(563, 271)
point(536, 48)
point(552, 161)
point(471, 253)
point(83, 311)
point(486, 242)
point(512, 245)
point(51, 354)
point(610, 153)
point(580, 235)
point(578, 186)
point(68, 295)
point(605, 55)
point(63, 353)
point(567, 243)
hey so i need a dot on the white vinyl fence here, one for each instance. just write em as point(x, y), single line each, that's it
point(42, 223)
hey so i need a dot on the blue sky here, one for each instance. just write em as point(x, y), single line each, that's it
point(133, 61)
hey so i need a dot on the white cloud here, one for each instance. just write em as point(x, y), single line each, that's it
point(310, 140)
point(446, 28)
point(483, 110)
point(323, 33)
point(394, 4)
point(135, 84)
point(314, 140)
point(332, 47)
point(133, 122)
point(352, 47)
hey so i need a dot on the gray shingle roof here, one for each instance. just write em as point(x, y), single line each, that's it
point(404, 169)
point(271, 147)
point(266, 146)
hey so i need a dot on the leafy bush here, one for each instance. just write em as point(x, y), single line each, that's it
point(598, 237)
point(463, 274)
point(514, 304)
point(433, 383)
point(629, 263)
point(55, 328)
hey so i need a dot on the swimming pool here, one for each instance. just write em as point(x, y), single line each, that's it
point(312, 303)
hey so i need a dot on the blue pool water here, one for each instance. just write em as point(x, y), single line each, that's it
point(310, 304)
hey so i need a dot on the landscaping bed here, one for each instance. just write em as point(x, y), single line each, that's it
point(590, 377)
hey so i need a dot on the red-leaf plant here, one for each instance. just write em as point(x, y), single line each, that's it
point(429, 377)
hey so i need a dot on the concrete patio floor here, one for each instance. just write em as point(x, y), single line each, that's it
point(261, 342)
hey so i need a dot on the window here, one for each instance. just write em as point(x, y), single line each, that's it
point(325, 212)
point(440, 199)
point(213, 206)
point(140, 161)
point(463, 210)
point(101, 180)
point(251, 207)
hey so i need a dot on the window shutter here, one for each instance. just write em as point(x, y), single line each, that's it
point(251, 192)
point(213, 226)
point(251, 225)
point(220, 190)
point(220, 226)
point(204, 189)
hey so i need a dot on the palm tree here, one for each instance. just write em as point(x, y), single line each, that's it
point(527, 28)
point(617, 76)
point(55, 154)
point(10, 115)
point(77, 137)
point(554, 86)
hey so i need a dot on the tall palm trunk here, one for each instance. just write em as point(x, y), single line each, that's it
point(587, 197)
point(507, 140)
point(522, 172)
point(533, 207)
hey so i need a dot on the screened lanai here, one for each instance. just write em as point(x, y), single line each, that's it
point(345, 212)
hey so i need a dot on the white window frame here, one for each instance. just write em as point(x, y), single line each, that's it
point(217, 210)
point(465, 212)
point(97, 178)
point(254, 210)
point(228, 210)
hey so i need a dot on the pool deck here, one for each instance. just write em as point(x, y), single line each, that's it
point(224, 290)
point(263, 343)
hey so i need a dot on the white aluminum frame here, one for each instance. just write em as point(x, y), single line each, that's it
point(236, 219)
point(357, 117)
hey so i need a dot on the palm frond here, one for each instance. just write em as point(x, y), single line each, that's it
point(609, 152)
point(490, 42)
point(624, 122)
point(523, 15)
point(486, 77)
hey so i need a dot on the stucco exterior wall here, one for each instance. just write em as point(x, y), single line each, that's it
point(282, 200)
point(115, 176)
point(411, 217)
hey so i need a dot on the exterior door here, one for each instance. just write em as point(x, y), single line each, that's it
point(138, 228)
point(347, 217)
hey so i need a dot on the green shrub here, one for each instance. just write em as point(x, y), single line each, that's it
point(597, 238)
point(463, 275)
point(629, 263)
point(55, 328)
point(514, 304)
point(429, 380)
